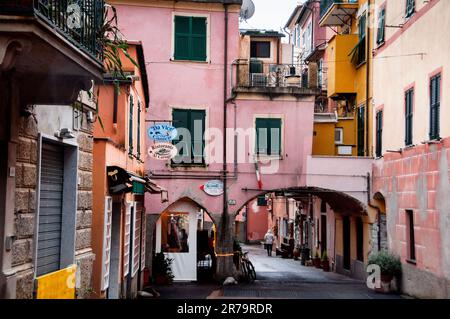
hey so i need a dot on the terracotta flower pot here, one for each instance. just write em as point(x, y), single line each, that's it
point(385, 284)
point(326, 265)
point(317, 262)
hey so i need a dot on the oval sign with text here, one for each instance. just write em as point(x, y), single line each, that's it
point(213, 188)
point(162, 151)
point(162, 132)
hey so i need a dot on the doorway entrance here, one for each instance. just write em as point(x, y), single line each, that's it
point(346, 241)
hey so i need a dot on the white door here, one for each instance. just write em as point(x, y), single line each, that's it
point(176, 235)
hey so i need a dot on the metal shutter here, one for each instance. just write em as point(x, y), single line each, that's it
point(127, 240)
point(50, 209)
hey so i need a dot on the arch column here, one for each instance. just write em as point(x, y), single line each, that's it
point(224, 249)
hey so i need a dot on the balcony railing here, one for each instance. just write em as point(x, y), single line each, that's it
point(326, 4)
point(78, 21)
point(255, 73)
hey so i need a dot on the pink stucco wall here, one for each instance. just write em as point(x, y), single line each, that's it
point(200, 85)
point(257, 223)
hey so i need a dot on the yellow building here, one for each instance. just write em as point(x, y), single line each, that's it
point(346, 131)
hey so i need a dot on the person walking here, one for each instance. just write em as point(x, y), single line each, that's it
point(268, 240)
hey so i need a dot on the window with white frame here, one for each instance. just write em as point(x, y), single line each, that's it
point(338, 135)
point(106, 258)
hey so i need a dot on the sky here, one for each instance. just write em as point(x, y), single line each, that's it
point(270, 14)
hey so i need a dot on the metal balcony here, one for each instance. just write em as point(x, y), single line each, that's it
point(78, 21)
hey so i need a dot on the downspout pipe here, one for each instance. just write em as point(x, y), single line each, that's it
point(368, 78)
point(225, 113)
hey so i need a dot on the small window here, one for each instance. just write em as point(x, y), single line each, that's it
point(260, 49)
point(435, 105)
point(379, 131)
point(409, 100)
point(338, 135)
point(268, 136)
point(190, 38)
point(262, 201)
point(381, 26)
point(410, 235)
point(410, 8)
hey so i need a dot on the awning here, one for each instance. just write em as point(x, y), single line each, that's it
point(123, 181)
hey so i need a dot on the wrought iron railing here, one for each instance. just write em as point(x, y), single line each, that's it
point(326, 4)
point(255, 73)
point(79, 21)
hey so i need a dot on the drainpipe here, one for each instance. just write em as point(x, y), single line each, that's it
point(225, 79)
point(367, 77)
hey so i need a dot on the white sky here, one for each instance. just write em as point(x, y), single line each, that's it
point(270, 14)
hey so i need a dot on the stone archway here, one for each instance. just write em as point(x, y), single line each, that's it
point(380, 229)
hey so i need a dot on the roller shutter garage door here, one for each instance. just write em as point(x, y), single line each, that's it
point(50, 209)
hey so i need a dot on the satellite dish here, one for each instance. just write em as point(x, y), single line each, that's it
point(247, 10)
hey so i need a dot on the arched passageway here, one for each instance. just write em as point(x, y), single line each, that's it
point(311, 224)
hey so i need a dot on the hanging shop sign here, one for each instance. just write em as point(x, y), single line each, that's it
point(213, 188)
point(162, 151)
point(162, 132)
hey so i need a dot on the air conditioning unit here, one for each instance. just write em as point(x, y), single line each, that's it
point(258, 79)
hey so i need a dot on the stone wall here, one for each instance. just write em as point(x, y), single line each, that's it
point(25, 209)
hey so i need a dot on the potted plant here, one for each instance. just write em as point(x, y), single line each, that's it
point(316, 260)
point(325, 262)
point(162, 269)
point(390, 268)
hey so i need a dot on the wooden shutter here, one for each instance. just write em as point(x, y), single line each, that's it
point(409, 98)
point(435, 91)
point(143, 239)
point(127, 239)
point(181, 122)
point(379, 137)
point(361, 113)
point(138, 133)
point(190, 38)
point(130, 128)
point(106, 257)
point(182, 38)
point(136, 240)
point(50, 209)
point(197, 129)
point(275, 136)
point(262, 144)
point(198, 39)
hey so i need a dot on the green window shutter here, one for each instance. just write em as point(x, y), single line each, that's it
point(381, 26)
point(198, 39)
point(190, 38)
point(379, 137)
point(435, 91)
point(197, 125)
point(138, 133)
point(182, 37)
point(361, 114)
point(261, 136)
point(130, 128)
point(409, 98)
point(275, 136)
point(181, 123)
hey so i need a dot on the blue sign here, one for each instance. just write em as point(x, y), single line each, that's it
point(162, 132)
